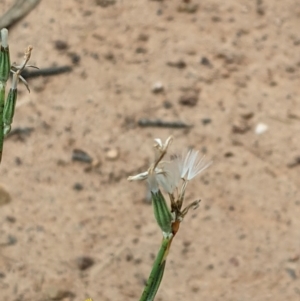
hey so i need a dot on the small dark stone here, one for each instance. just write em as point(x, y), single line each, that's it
point(189, 99)
point(205, 61)
point(75, 58)
point(143, 37)
point(11, 240)
point(18, 161)
point(78, 186)
point(294, 163)
point(84, 262)
point(210, 267)
point(240, 127)
point(260, 9)
point(237, 176)
point(129, 257)
point(216, 19)
point(180, 64)
point(297, 42)
point(87, 13)
point(231, 208)
point(80, 155)
point(167, 104)
point(247, 115)
point(228, 154)
point(21, 133)
point(10, 219)
point(109, 56)
point(206, 121)
point(291, 273)
point(61, 45)
point(159, 12)
point(105, 3)
point(135, 240)
point(141, 50)
point(290, 69)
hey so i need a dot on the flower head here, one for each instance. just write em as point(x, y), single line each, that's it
point(173, 175)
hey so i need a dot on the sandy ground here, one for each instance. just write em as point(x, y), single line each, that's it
point(74, 230)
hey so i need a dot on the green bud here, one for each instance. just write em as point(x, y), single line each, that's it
point(4, 57)
point(162, 213)
point(9, 110)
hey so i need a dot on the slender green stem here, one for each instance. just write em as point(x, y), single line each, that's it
point(2, 100)
point(157, 272)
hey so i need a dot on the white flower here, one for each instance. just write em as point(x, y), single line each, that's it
point(167, 174)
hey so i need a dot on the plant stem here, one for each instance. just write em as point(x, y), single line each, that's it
point(2, 100)
point(157, 272)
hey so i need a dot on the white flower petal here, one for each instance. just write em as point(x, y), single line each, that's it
point(139, 177)
point(191, 164)
point(158, 142)
point(170, 176)
point(199, 164)
point(152, 181)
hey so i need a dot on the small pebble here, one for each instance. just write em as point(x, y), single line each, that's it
point(11, 240)
point(80, 155)
point(291, 273)
point(109, 55)
point(240, 127)
point(261, 128)
point(5, 197)
point(228, 154)
point(157, 88)
point(75, 58)
point(141, 50)
point(105, 3)
point(206, 121)
point(294, 163)
point(10, 219)
point(189, 8)
point(205, 61)
point(61, 45)
point(247, 115)
point(18, 161)
point(84, 262)
point(78, 186)
point(180, 64)
point(112, 154)
point(167, 104)
point(189, 99)
point(143, 37)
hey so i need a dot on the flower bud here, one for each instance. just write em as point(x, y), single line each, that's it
point(162, 213)
point(9, 110)
point(4, 57)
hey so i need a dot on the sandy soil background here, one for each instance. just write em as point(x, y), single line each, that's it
point(75, 229)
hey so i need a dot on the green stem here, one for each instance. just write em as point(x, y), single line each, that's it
point(157, 272)
point(2, 100)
